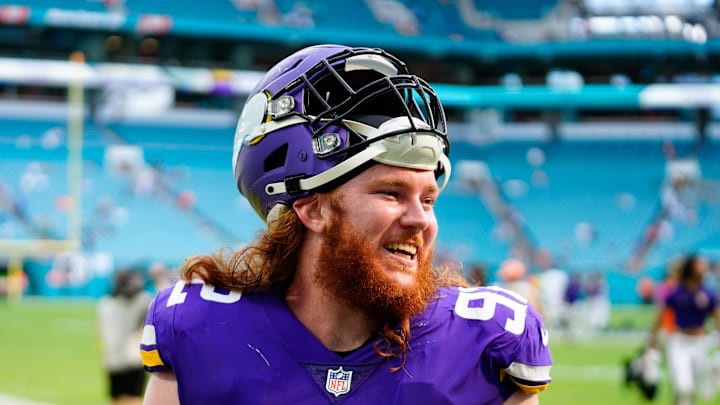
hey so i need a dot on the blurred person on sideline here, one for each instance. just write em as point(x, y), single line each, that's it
point(514, 277)
point(646, 290)
point(552, 283)
point(477, 275)
point(574, 296)
point(161, 275)
point(343, 153)
point(645, 367)
point(687, 347)
point(120, 318)
point(598, 301)
point(662, 292)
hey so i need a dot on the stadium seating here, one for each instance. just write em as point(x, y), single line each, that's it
point(220, 11)
point(586, 202)
point(582, 188)
point(429, 18)
point(590, 201)
point(116, 218)
point(87, 5)
point(515, 10)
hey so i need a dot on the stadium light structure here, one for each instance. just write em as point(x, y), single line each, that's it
point(17, 250)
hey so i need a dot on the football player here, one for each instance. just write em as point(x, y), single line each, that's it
point(343, 153)
point(687, 347)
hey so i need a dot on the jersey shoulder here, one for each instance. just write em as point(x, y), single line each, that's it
point(494, 309)
point(510, 331)
point(712, 296)
point(184, 309)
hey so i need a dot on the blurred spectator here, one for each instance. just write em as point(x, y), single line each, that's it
point(564, 80)
point(115, 6)
point(673, 207)
point(552, 283)
point(120, 317)
point(596, 289)
point(144, 181)
point(513, 274)
point(397, 14)
point(646, 290)
point(585, 233)
point(161, 275)
point(477, 275)
point(574, 290)
point(687, 348)
point(301, 16)
point(573, 309)
point(620, 80)
point(663, 291)
point(512, 81)
point(266, 9)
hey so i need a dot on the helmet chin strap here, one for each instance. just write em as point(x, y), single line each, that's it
point(313, 182)
point(329, 175)
point(390, 151)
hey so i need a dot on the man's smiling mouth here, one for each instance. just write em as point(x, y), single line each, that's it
point(406, 250)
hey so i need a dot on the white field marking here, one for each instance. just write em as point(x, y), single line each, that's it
point(587, 373)
point(6, 399)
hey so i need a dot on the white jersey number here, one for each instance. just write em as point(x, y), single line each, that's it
point(490, 298)
point(207, 292)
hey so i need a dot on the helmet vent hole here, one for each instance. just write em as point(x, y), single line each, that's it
point(276, 158)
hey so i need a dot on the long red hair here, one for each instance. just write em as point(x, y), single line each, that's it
point(269, 264)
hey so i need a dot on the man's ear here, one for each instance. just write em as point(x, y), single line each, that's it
point(309, 212)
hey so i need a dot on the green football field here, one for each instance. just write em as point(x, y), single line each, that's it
point(49, 352)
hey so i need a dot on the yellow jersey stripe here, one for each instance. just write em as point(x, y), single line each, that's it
point(151, 358)
point(530, 389)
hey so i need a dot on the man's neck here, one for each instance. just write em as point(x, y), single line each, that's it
point(334, 324)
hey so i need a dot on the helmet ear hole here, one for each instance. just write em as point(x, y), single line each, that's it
point(276, 158)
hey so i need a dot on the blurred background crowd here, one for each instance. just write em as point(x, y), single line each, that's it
point(585, 145)
point(585, 132)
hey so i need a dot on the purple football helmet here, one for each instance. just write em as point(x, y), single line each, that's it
point(327, 112)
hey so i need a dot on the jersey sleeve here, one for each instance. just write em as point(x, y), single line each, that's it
point(157, 331)
point(184, 317)
point(524, 356)
point(529, 358)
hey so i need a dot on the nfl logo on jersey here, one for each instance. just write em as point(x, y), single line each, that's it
point(338, 381)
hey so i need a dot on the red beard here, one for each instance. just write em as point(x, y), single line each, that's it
point(350, 270)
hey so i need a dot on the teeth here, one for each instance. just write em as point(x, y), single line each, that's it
point(405, 248)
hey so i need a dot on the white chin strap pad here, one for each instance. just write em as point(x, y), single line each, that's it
point(274, 215)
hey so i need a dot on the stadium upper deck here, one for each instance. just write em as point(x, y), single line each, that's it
point(464, 41)
point(589, 211)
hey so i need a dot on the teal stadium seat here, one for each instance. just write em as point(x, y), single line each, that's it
point(516, 10)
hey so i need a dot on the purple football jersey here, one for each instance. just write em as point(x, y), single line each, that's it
point(471, 346)
point(691, 307)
